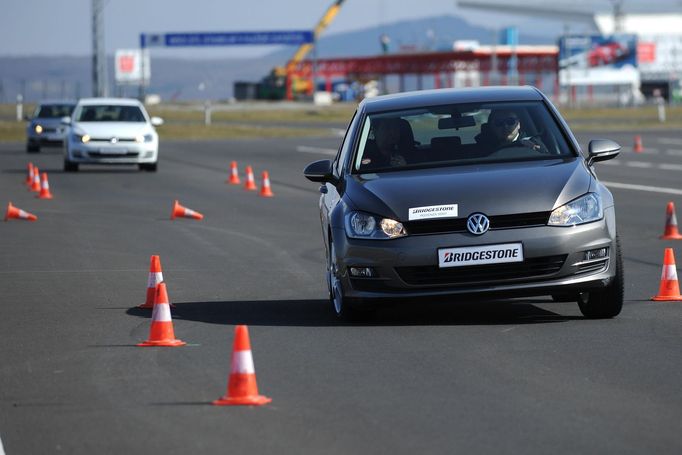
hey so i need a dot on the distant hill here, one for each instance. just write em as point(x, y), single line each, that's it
point(180, 79)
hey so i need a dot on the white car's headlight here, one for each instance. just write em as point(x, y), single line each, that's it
point(83, 138)
point(360, 225)
point(585, 209)
point(144, 138)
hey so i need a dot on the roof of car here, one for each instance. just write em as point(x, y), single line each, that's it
point(422, 98)
point(114, 101)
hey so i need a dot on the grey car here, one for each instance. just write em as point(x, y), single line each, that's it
point(44, 128)
point(467, 192)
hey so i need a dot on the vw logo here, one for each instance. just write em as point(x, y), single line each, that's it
point(478, 223)
point(114, 140)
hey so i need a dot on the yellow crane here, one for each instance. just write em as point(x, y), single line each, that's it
point(277, 80)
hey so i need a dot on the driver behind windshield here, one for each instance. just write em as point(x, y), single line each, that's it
point(506, 131)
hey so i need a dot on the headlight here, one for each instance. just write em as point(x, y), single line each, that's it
point(585, 209)
point(38, 129)
point(144, 138)
point(84, 138)
point(361, 225)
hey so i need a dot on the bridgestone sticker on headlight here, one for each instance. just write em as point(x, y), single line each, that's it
point(480, 255)
point(433, 211)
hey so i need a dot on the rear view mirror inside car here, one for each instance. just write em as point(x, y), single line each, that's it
point(448, 123)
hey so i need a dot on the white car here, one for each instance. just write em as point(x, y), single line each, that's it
point(111, 131)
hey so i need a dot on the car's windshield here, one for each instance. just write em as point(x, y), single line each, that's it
point(54, 110)
point(109, 113)
point(458, 134)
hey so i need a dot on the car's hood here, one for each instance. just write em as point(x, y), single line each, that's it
point(111, 129)
point(494, 189)
point(49, 122)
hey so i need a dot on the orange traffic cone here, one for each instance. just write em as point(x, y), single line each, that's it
point(184, 212)
point(155, 278)
point(265, 190)
point(29, 176)
point(35, 186)
point(241, 387)
point(670, 232)
point(44, 188)
point(670, 288)
point(250, 181)
point(15, 212)
point(234, 174)
point(638, 147)
point(161, 331)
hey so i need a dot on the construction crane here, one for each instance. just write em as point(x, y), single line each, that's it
point(281, 82)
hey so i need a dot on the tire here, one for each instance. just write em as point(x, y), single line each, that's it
point(345, 308)
point(149, 167)
point(30, 148)
point(70, 166)
point(608, 302)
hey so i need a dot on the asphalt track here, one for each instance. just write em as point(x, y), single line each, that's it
point(525, 376)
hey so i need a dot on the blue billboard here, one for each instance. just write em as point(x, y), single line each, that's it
point(292, 37)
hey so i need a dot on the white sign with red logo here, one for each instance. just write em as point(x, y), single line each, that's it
point(129, 67)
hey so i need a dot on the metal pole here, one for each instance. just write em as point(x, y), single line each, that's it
point(99, 58)
point(143, 46)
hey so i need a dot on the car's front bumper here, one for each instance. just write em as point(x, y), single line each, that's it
point(106, 153)
point(554, 262)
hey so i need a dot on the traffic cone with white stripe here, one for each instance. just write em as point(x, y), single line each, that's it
point(241, 387)
point(155, 278)
point(16, 213)
point(670, 288)
point(161, 332)
point(35, 186)
point(29, 176)
point(671, 232)
point(184, 212)
point(250, 181)
point(44, 188)
point(265, 190)
point(234, 174)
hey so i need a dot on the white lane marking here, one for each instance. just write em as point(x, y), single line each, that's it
point(673, 152)
point(610, 163)
point(323, 151)
point(641, 164)
point(2, 450)
point(670, 141)
point(650, 189)
point(670, 167)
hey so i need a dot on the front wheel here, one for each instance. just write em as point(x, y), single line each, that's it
point(31, 148)
point(149, 167)
point(70, 166)
point(345, 308)
point(608, 302)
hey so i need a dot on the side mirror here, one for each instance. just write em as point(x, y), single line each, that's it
point(27, 117)
point(156, 121)
point(65, 121)
point(602, 150)
point(320, 171)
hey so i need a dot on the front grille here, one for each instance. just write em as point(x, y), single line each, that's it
point(113, 155)
point(108, 139)
point(528, 270)
point(513, 221)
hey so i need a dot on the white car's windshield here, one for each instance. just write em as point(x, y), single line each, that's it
point(458, 134)
point(110, 113)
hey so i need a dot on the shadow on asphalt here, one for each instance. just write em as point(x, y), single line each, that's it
point(318, 313)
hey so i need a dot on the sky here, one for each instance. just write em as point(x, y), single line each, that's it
point(63, 27)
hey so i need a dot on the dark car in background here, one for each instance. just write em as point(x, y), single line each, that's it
point(486, 193)
point(44, 128)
